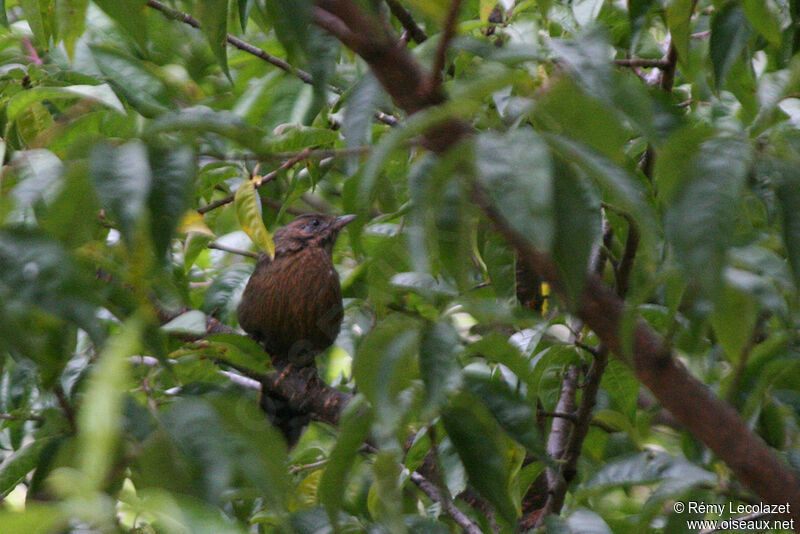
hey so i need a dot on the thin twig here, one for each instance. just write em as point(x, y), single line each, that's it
point(27, 417)
point(563, 415)
point(447, 36)
point(307, 467)
point(407, 21)
point(587, 348)
point(232, 250)
point(34, 55)
point(574, 418)
point(238, 43)
point(641, 62)
point(264, 179)
point(66, 406)
point(429, 489)
point(623, 270)
point(304, 76)
point(666, 81)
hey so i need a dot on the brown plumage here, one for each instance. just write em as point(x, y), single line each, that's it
point(293, 303)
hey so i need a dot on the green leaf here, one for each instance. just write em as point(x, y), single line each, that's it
point(423, 283)
point(474, 435)
point(70, 21)
point(191, 322)
point(435, 9)
point(248, 213)
point(674, 159)
point(354, 428)
point(245, 6)
point(17, 465)
point(36, 519)
point(617, 184)
point(122, 179)
point(72, 217)
point(258, 449)
point(323, 51)
point(439, 346)
point(679, 19)
point(516, 172)
point(577, 215)
point(34, 120)
point(99, 93)
point(581, 521)
point(646, 468)
point(241, 351)
point(3, 16)
point(515, 414)
point(134, 80)
point(39, 178)
point(130, 15)
point(202, 119)
point(623, 387)
point(764, 17)
point(586, 11)
point(223, 294)
point(734, 319)
point(700, 221)
point(788, 193)
point(359, 110)
point(567, 110)
point(291, 20)
point(36, 13)
point(294, 138)
point(384, 366)
point(637, 16)
point(496, 348)
point(173, 172)
point(729, 33)
point(101, 410)
point(36, 271)
point(213, 17)
point(217, 443)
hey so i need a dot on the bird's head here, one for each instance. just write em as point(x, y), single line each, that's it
point(311, 230)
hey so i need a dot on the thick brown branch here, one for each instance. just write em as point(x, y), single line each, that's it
point(708, 418)
point(407, 21)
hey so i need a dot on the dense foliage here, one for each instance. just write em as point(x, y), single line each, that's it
point(653, 143)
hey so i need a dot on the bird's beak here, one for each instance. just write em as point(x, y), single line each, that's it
point(343, 221)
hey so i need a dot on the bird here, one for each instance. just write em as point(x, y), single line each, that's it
point(292, 304)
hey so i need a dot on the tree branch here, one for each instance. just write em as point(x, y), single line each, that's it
point(235, 41)
point(264, 179)
point(259, 53)
point(232, 250)
point(702, 412)
point(640, 62)
point(447, 36)
point(407, 21)
point(448, 506)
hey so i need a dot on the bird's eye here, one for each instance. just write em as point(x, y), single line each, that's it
point(315, 222)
